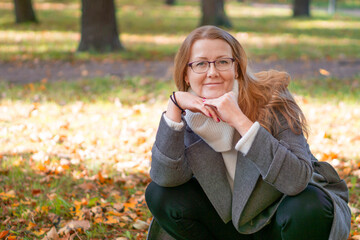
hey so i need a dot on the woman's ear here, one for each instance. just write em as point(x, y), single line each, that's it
point(187, 81)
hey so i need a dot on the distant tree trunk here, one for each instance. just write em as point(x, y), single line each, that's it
point(170, 2)
point(98, 26)
point(24, 11)
point(301, 8)
point(332, 6)
point(213, 13)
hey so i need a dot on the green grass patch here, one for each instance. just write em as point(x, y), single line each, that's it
point(136, 90)
point(128, 91)
point(151, 30)
point(325, 90)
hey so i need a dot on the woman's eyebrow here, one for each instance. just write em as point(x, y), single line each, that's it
point(205, 58)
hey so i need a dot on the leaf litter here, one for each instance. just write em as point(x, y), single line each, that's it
point(79, 170)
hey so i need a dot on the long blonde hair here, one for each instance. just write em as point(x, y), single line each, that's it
point(262, 96)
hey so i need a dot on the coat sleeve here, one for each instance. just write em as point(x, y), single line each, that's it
point(169, 166)
point(283, 161)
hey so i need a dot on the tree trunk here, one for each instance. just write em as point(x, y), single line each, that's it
point(332, 6)
point(301, 8)
point(98, 26)
point(24, 11)
point(170, 2)
point(213, 13)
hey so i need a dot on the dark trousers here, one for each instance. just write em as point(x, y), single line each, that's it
point(186, 213)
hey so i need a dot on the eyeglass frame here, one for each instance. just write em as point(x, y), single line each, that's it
point(209, 62)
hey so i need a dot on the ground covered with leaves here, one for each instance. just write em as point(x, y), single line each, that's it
point(75, 167)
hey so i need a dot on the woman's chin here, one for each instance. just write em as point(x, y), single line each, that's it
point(213, 94)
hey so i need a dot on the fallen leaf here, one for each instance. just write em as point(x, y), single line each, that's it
point(324, 72)
point(87, 186)
point(3, 234)
point(73, 225)
point(140, 225)
point(39, 233)
point(51, 235)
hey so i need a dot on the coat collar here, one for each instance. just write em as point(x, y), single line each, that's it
point(209, 169)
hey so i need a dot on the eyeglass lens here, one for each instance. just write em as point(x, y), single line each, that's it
point(220, 64)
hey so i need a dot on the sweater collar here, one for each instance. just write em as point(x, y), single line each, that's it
point(218, 135)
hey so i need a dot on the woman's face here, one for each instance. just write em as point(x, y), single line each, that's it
point(213, 83)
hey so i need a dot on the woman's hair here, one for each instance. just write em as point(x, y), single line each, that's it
point(262, 96)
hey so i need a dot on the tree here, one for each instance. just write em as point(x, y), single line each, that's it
point(332, 6)
point(170, 2)
point(301, 8)
point(213, 13)
point(24, 11)
point(99, 30)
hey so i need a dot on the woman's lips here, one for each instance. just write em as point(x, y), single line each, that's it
point(216, 83)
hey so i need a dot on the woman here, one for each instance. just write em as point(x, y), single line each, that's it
point(230, 160)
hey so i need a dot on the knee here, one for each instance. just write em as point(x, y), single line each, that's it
point(154, 196)
point(312, 204)
point(161, 202)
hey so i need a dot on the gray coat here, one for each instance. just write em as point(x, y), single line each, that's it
point(274, 167)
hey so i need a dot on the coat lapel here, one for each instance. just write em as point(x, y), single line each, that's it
point(210, 171)
point(246, 176)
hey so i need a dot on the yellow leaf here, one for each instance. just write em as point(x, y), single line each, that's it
point(115, 213)
point(39, 233)
point(111, 220)
point(31, 226)
point(324, 72)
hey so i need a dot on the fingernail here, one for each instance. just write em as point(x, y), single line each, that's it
point(218, 119)
point(210, 115)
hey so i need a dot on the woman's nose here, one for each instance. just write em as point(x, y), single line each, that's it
point(212, 70)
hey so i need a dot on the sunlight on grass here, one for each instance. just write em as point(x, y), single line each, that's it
point(335, 24)
point(237, 10)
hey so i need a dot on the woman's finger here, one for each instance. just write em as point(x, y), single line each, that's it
point(213, 113)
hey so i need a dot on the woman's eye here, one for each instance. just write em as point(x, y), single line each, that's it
point(223, 62)
point(200, 64)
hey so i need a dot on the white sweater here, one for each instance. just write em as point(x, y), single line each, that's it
point(216, 142)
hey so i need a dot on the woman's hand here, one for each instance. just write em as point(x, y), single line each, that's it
point(227, 108)
point(191, 102)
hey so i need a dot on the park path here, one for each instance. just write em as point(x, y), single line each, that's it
point(34, 71)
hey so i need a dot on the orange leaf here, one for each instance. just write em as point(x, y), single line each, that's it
point(129, 205)
point(101, 178)
point(3, 234)
point(111, 220)
point(39, 233)
point(31, 226)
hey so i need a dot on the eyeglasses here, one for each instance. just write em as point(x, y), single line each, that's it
point(221, 64)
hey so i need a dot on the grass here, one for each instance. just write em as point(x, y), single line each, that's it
point(135, 90)
point(151, 30)
point(69, 147)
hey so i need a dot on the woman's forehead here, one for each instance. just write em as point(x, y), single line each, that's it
point(210, 48)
